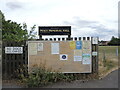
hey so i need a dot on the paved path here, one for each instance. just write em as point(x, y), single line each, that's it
point(110, 81)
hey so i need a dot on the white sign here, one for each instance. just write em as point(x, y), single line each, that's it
point(77, 58)
point(32, 48)
point(86, 59)
point(94, 40)
point(40, 46)
point(13, 50)
point(63, 57)
point(55, 48)
point(94, 53)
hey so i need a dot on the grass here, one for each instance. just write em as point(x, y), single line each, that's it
point(110, 52)
point(108, 59)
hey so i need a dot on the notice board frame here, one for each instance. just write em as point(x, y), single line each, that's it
point(94, 65)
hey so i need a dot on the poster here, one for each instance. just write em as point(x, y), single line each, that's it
point(94, 40)
point(86, 58)
point(32, 48)
point(40, 46)
point(77, 52)
point(63, 57)
point(86, 45)
point(72, 44)
point(54, 48)
point(78, 44)
point(77, 58)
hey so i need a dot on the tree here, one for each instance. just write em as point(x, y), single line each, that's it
point(114, 41)
point(12, 31)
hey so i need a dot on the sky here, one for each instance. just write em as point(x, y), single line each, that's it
point(87, 18)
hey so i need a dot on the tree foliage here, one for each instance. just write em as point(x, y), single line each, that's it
point(114, 41)
point(12, 31)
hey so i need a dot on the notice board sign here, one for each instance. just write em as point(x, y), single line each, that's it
point(54, 30)
point(13, 50)
point(63, 56)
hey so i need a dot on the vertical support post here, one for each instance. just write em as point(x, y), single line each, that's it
point(95, 57)
point(40, 37)
point(69, 36)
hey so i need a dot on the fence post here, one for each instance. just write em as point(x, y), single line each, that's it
point(116, 51)
point(95, 58)
point(104, 58)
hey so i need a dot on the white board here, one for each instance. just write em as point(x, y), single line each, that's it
point(54, 48)
point(13, 50)
point(40, 46)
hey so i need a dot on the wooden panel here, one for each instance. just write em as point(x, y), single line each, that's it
point(53, 60)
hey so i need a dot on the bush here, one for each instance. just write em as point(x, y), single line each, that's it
point(42, 76)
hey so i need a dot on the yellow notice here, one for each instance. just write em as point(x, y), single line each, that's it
point(72, 44)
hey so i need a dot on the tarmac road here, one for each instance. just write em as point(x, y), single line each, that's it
point(110, 81)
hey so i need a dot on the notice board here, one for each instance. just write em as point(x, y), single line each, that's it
point(61, 56)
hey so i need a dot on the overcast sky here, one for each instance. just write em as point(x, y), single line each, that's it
point(86, 17)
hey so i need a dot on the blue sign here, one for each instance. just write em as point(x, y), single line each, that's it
point(78, 44)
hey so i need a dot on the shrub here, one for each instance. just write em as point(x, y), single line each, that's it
point(42, 76)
